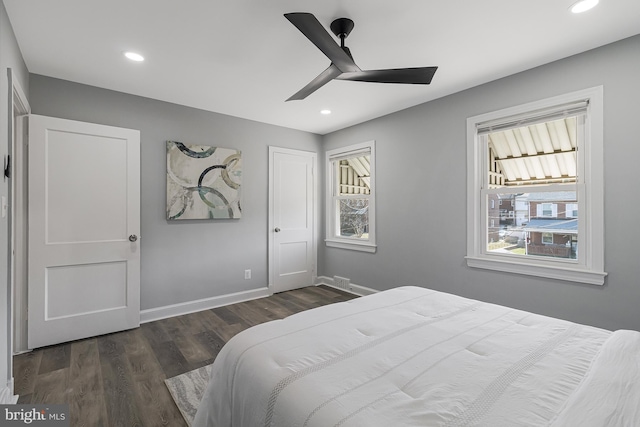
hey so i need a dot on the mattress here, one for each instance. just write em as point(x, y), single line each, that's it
point(411, 356)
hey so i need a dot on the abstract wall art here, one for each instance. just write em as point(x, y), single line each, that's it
point(203, 182)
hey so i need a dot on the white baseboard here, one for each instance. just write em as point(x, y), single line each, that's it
point(352, 288)
point(158, 313)
point(6, 394)
point(173, 310)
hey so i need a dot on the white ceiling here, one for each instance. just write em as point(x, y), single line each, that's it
point(243, 58)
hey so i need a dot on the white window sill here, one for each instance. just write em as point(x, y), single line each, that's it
point(568, 273)
point(352, 245)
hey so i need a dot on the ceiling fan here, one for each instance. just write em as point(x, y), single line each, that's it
point(342, 65)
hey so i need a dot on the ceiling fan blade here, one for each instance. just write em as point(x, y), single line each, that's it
point(315, 32)
point(419, 76)
point(323, 78)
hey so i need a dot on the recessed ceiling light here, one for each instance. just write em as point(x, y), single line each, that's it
point(325, 112)
point(583, 5)
point(134, 56)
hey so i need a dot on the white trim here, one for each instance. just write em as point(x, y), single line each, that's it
point(158, 313)
point(353, 245)
point(551, 272)
point(554, 112)
point(331, 239)
point(590, 268)
point(361, 149)
point(19, 96)
point(353, 288)
point(6, 395)
point(17, 99)
point(19, 224)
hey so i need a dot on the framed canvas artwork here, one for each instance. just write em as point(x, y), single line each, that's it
point(203, 182)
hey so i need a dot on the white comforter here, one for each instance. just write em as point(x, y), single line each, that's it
point(416, 357)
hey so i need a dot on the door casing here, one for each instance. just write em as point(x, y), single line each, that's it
point(16, 297)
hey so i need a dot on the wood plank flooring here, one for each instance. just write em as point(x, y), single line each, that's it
point(118, 379)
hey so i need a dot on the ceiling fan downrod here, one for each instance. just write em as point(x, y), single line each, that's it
point(342, 27)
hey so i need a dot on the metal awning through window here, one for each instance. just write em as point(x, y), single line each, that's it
point(537, 153)
point(355, 175)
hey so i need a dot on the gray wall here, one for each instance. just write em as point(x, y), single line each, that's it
point(184, 260)
point(421, 194)
point(10, 57)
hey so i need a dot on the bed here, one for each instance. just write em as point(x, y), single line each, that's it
point(411, 356)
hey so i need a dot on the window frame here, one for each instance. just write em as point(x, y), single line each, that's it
point(332, 239)
point(589, 268)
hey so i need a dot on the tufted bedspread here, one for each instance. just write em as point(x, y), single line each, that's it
point(412, 356)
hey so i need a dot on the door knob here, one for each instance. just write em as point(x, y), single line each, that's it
point(133, 238)
point(277, 230)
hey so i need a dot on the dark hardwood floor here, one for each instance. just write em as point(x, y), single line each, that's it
point(118, 379)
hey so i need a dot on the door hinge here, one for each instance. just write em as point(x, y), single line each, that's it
point(7, 166)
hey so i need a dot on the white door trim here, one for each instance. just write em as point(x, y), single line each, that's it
point(19, 217)
point(16, 298)
point(271, 225)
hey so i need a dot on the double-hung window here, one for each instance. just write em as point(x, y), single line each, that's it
point(351, 197)
point(547, 157)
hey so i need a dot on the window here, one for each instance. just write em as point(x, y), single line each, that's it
point(351, 197)
point(546, 157)
point(571, 210)
point(547, 209)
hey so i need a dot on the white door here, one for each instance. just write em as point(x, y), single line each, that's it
point(292, 252)
point(84, 223)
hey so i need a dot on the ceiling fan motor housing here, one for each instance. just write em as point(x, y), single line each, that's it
point(341, 27)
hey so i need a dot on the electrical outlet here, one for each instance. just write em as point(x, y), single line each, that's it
point(247, 274)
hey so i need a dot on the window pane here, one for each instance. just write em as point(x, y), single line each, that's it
point(542, 153)
point(353, 215)
point(353, 175)
point(353, 180)
point(534, 224)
